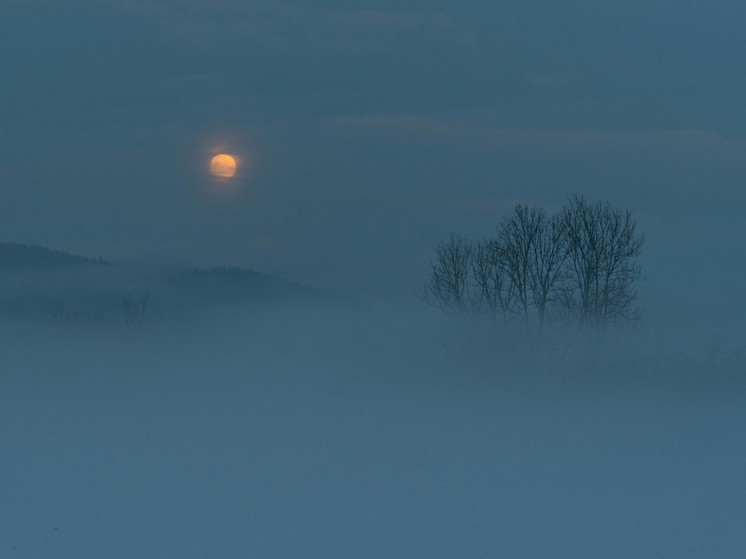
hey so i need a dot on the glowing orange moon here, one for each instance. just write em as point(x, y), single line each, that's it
point(223, 166)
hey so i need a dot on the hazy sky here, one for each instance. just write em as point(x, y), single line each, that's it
point(371, 129)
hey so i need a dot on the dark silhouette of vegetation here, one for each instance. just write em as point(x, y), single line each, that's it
point(601, 247)
point(574, 271)
point(448, 287)
point(15, 255)
point(135, 309)
point(231, 284)
point(42, 283)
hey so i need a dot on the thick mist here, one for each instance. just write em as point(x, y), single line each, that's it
point(362, 429)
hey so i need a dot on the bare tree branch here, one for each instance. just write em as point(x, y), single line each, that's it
point(602, 247)
point(448, 286)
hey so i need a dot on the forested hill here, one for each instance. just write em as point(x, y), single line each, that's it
point(41, 282)
point(229, 283)
point(16, 255)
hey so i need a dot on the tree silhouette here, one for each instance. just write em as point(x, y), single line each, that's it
point(601, 247)
point(448, 287)
point(575, 268)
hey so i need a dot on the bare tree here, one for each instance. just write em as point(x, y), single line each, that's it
point(134, 309)
point(576, 268)
point(531, 249)
point(492, 290)
point(601, 245)
point(516, 237)
point(547, 257)
point(448, 286)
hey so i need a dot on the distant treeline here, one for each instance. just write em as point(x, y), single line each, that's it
point(38, 282)
point(16, 255)
point(235, 283)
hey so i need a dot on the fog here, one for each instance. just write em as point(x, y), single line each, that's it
point(197, 366)
point(362, 429)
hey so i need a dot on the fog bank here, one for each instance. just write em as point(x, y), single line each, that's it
point(357, 431)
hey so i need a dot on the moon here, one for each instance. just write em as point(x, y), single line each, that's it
point(223, 166)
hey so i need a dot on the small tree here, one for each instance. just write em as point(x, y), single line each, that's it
point(449, 287)
point(492, 290)
point(601, 246)
point(546, 268)
point(517, 237)
point(134, 309)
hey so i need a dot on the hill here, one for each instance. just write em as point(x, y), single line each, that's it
point(42, 283)
point(16, 255)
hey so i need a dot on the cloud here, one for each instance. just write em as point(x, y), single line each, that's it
point(690, 144)
point(281, 27)
point(553, 80)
